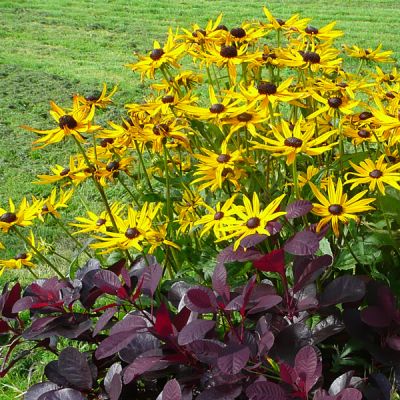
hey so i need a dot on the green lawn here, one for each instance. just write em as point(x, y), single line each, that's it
point(53, 49)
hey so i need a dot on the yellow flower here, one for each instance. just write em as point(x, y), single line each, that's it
point(336, 208)
point(368, 54)
point(375, 173)
point(251, 219)
point(217, 218)
point(159, 57)
point(326, 33)
point(101, 100)
point(108, 171)
point(187, 210)
point(333, 104)
point(23, 216)
point(292, 24)
point(133, 231)
point(74, 123)
point(99, 223)
point(75, 173)
point(216, 167)
point(51, 204)
point(292, 140)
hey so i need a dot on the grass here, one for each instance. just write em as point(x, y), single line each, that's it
point(53, 49)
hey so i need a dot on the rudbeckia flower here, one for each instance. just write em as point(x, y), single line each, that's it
point(23, 216)
point(51, 204)
point(368, 54)
point(335, 207)
point(251, 219)
point(326, 33)
point(98, 99)
point(375, 173)
point(293, 24)
point(75, 123)
point(289, 141)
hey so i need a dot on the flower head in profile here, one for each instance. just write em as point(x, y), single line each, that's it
point(51, 204)
point(21, 216)
point(336, 207)
point(97, 99)
point(73, 123)
point(369, 54)
point(251, 219)
point(375, 173)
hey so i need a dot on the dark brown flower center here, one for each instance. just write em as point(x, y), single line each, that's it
point(363, 133)
point(160, 129)
point(335, 209)
point(67, 121)
point(100, 222)
point(244, 117)
point(221, 28)
point(280, 21)
point(335, 102)
point(253, 223)
point(21, 256)
point(228, 51)
point(112, 166)
point(311, 57)
point(217, 108)
point(271, 55)
point(218, 215)
point(45, 208)
point(266, 88)
point(197, 31)
point(375, 174)
point(365, 115)
point(93, 97)
point(223, 158)
point(311, 30)
point(238, 33)
point(168, 99)
point(342, 84)
point(390, 95)
point(132, 233)
point(293, 142)
point(65, 171)
point(226, 171)
point(8, 217)
point(106, 141)
point(156, 54)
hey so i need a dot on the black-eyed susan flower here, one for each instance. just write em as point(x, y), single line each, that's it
point(326, 33)
point(369, 54)
point(51, 204)
point(74, 123)
point(290, 140)
point(292, 24)
point(158, 237)
point(187, 210)
point(217, 217)
point(19, 261)
point(335, 207)
point(333, 104)
point(214, 169)
point(375, 173)
point(159, 57)
point(75, 173)
point(97, 99)
point(251, 219)
point(386, 77)
point(133, 231)
point(99, 223)
point(107, 171)
point(21, 216)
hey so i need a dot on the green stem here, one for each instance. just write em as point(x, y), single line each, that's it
point(296, 179)
point(38, 253)
point(143, 166)
point(128, 190)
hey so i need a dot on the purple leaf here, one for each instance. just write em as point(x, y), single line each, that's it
point(113, 381)
point(206, 350)
point(74, 367)
point(24, 304)
point(345, 289)
point(303, 243)
point(4, 327)
point(228, 255)
point(107, 281)
point(393, 342)
point(340, 383)
point(219, 282)
point(35, 391)
point(201, 299)
point(306, 365)
point(272, 262)
point(130, 323)
point(311, 271)
point(265, 391)
point(194, 330)
point(298, 208)
point(151, 278)
point(8, 299)
point(265, 343)
point(112, 344)
point(376, 317)
point(326, 328)
point(349, 394)
point(221, 392)
point(171, 391)
point(149, 361)
point(163, 325)
point(233, 358)
point(252, 240)
point(62, 394)
point(53, 374)
point(265, 303)
point(104, 319)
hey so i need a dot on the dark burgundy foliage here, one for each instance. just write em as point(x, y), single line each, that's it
point(298, 208)
point(179, 340)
